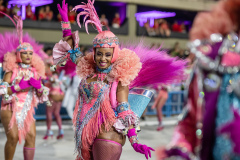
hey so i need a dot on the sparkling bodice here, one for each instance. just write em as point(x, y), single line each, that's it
point(27, 73)
point(90, 91)
point(93, 100)
point(22, 96)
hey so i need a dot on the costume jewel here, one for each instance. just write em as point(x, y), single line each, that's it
point(209, 64)
point(22, 65)
point(65, 25)
point(75, 54)
point(107, 40)
point(24, 47)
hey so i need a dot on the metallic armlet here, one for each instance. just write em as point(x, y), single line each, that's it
point(4, 88)
point(4, 91)
point(133, 139)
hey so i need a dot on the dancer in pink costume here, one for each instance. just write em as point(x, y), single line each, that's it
point(159, 103)
point(103, 117)
point(56, 96)
point(21, 89)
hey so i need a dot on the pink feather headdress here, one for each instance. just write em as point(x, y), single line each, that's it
point(9, 46)
point(105, 38)
point(23, 46)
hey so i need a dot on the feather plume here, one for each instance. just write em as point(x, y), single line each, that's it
point(9, 18)
point(19, 28)
point(9, 42)
point(157, 66)
point(89, 12)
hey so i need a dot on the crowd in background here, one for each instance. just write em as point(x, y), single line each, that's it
point(44, 13)
point(116, 23)
point(175, 51)
point(162, 28)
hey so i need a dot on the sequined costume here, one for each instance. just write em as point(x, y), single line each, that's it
point(21, 88)
point(97, 109)
point(22, 103)
point(213, 98)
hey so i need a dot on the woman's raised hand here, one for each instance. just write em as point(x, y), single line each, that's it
point(63, 11)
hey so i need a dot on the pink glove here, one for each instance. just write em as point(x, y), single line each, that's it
point(35, 83)
point(233, 128)
point(22, 85)
point(140, 148)
point(64, 14)
point(63, 11)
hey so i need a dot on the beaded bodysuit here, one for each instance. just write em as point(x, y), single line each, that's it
point(93, 109)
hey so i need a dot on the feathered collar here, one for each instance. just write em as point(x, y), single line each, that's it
point(125, 69)
point(10, 63)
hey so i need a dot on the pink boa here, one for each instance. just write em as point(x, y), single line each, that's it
point(124, 69)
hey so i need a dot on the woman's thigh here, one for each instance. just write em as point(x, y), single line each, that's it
point(6, 116)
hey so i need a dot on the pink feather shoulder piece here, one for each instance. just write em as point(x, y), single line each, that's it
point(124, 69)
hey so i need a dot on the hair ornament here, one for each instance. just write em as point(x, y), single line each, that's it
point(106, 40)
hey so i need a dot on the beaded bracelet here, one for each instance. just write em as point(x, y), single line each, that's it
point(4, 87)
point(133, 139)
point(65, 25)
point(124, 106)
point(17, 87)
point(40, 90)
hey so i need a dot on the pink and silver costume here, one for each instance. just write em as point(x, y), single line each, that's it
point(21, 103)
point(97, 109)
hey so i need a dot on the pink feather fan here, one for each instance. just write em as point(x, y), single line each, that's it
point(89, 12)
point(157, 66)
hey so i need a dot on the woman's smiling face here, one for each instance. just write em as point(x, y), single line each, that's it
point(103, 57)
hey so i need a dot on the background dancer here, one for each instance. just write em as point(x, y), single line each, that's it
point(21, 89)
point(56, 96)
point(159, 102)
point(213, 98)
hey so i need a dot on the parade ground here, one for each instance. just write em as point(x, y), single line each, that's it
point(63, 149)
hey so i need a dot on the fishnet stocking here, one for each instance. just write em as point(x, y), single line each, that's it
point(106, 150)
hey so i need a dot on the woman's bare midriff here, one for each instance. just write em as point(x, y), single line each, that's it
point(112, 135)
